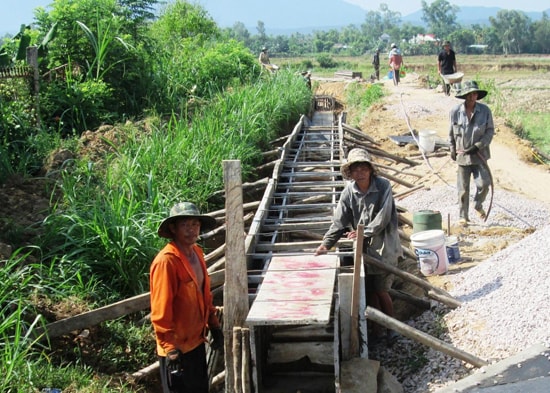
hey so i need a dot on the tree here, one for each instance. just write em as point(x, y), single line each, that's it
point(263, 40)
point(461, 39)
point(238, 32)
point(513, 30)
point(440, 16)
point(541, 32)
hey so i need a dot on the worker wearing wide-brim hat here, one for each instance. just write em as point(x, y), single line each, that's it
point(182, 310)
point(264, 57)
point(471, 132)
point(368, 199)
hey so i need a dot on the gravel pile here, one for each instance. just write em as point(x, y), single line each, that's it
point(508, 210)
point(505, 299)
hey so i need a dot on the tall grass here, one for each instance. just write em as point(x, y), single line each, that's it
point(361, 96)
point(111, 209)
point(17, 323)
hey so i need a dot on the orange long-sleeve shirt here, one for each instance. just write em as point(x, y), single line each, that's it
point(180, 311)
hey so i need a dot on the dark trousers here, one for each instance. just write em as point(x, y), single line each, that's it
point(193, 376)
point(482, 180)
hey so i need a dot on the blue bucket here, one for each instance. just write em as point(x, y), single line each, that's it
point(390, 75)
point(453, 251)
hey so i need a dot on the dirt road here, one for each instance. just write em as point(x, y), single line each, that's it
point(411, 105)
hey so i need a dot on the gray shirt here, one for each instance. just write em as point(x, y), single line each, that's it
point(464, 133)
point(376, 210)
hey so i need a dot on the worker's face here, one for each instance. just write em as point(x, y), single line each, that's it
point(447, 48)
point(186, 231)
point(471, 97)
point(360, 171)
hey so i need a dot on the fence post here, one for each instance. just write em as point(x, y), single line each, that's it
point(32, 60)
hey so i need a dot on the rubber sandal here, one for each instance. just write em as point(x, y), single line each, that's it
point(481, 213)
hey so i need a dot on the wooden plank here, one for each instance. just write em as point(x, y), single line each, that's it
point(296, 246)
point(320, 206)
point(92, 318)
point(296, 290)
point(318, 353)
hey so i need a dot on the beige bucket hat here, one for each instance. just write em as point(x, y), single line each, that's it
point(355, 155)
point(188, 210)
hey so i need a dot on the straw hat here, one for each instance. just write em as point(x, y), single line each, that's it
point(469, 87)
point(355, 155)
point(185, 210)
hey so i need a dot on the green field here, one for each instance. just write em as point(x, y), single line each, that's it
point(519, 86)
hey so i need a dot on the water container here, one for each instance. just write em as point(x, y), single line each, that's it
point(453, 252)
point(429, 247)
point(426, 140)
point(424, 220)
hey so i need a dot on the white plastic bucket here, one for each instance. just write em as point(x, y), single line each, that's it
point(429, 247)
point(426, 140)
point(453, 252)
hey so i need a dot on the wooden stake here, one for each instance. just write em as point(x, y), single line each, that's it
point(358, 259)
point(235, 292)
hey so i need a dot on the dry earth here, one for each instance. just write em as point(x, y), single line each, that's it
point(412, 106)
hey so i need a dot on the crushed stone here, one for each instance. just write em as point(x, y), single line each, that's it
point(505, 298)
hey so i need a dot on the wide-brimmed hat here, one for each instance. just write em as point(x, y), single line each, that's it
point(264, 48)
point(185, 210)
point(355, 155)
point(393, 45)
point(469, 87)
point(447, 43)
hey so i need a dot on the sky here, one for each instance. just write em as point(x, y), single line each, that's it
point(15, 12)
point(409, 6)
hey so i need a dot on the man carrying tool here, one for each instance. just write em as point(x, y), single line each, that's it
point(181, 302)
point(368, 200)
point(263, 58)
point(446, 64)
point(471, 131)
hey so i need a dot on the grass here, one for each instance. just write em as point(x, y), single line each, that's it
point(99, 240)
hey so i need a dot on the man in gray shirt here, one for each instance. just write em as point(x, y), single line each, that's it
point(471, 131)
point(368, 200)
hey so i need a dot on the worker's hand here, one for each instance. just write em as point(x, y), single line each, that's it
point(471, 150)
point(321, 250)
point(453, 154)
point(174, 360)
point(217, 339)
point(351, 235)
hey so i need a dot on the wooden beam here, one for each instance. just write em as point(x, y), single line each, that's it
point(92, 318)
point(424, 338)
point(443, 297)
point(235, 292)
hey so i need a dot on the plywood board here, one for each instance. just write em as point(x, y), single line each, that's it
point(296, 290)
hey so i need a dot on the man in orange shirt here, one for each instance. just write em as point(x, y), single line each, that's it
point(181, 302)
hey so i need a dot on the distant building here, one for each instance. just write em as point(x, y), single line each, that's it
point(423, 39)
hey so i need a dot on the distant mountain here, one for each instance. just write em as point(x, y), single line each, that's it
point(282, 17)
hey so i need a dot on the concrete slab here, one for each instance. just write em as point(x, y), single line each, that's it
point(525, 372)
point(359, 375)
